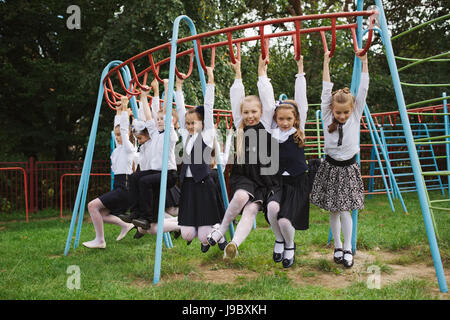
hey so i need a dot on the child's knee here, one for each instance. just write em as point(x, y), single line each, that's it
point(273, 208)
point(241, 197)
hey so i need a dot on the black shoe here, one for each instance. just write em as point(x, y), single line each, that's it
point(222, 245)
point(204, 247)
point(140, 222)
point(188, 242)
point(289, 262)
point(338, 260)
point(126, 217)
point(278, 257)
point(138, 235)
point(176, 234)
point(347, 263)
point(210, 238)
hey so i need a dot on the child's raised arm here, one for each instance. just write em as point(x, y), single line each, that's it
point(125, 124)
point(179, 101)
point(327, 86)
point(360, 100)
point(237, 93)
point(300, 94)
point(266, 95)
point(143, 99)
point(209, 128)
point(155, 100)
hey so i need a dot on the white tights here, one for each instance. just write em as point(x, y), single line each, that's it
point(99, 214)
point(344, 219)
point(283, 230)
point(245, 225)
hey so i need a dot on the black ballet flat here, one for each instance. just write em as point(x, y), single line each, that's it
point(176, 234)
point(138, 235)
point(338, 260)
point(223, 244)
point(204, 247)
point(287, 263)
point(278, 257)
point(347, 263)
point(143, 223)
point(127, 217)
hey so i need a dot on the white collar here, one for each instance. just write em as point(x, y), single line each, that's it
point(282, 136)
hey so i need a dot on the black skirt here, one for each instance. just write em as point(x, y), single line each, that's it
point(215, 176)
point(261, 187)
point(117, 200)
point(294, 200)
point(173, 197)
point(199, 203)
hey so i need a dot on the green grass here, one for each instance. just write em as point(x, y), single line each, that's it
point(33, 265)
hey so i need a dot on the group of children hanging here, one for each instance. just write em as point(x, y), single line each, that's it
point(269, 135)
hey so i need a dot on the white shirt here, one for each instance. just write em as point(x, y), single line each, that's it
point(222, 157)
point(157, 147)
point(350, 141)
point(124, 154)
point(208, 132)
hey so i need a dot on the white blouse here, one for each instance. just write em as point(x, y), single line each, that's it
point(208, 132)
point(124, 154)
point(350, 140)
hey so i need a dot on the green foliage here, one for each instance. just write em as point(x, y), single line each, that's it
point(50, 74)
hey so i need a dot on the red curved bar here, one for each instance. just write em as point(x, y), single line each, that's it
point(297, 41)
point(369, 39)
point(264, 38)
point(155, 69)
point(200, 55)
point(333, 38)
point(264, 49)
point(230, 46)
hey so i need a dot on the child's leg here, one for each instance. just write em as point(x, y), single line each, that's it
point(188, 233)
point(288, 232)
point(169, 225)
point(173, 211)
point(272, 215)
point(245, 225)
point(347, 226)
point(203, 232)
point(112, 219)
point(147, 186)
point(94, 208)
point(235, 206)
point(335, 224)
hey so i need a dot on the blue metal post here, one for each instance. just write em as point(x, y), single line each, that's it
point(168, 120)
point(412, 150)
point(84, 179)
point(447, 132)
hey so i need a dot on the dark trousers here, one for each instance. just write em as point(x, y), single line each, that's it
point(144, 192)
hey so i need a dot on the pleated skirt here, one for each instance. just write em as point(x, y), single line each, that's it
point(200, 203)
point(294, 200)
